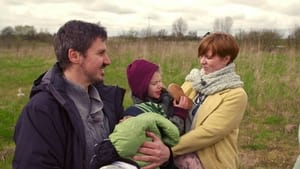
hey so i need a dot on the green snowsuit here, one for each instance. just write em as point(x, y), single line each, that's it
point(130, 134)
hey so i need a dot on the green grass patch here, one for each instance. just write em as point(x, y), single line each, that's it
point(274, 120)
point(255, 147)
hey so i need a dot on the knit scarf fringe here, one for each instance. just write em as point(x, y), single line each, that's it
point(222, 79)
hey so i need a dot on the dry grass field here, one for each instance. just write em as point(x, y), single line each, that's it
point(268, 132)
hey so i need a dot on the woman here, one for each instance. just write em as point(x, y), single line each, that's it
point(220, 102)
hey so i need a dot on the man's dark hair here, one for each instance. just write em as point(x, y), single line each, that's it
point(78, 35)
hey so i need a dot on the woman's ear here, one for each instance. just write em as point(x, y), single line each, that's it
point(227, 59)
point(74, 56)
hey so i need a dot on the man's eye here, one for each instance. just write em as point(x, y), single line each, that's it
point(100, 53)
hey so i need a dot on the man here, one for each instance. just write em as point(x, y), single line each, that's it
point(71, 110)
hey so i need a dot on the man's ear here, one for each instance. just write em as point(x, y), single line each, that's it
point(74, 56)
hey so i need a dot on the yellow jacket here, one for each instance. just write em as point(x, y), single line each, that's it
point(215, 133)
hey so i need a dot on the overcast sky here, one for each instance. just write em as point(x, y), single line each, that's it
point(123, 15)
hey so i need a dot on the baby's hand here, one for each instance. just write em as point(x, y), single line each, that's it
point(124, 118)
point(184, 103)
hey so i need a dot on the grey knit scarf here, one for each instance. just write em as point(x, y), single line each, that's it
point(219, 80)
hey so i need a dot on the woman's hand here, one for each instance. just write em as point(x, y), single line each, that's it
point(154, 152)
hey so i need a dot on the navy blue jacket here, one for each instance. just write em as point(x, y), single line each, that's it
point(49, 132)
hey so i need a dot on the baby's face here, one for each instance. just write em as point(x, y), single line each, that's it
point(155, 86)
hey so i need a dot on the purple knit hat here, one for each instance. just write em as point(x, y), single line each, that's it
point(139, 74)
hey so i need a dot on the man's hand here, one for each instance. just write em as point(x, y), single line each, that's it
point(154, 152)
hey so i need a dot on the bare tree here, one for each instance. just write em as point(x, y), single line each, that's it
point(192, 35)
point(295, 36)
point(130, 34)
point(146, 32)
point(223, 24)
point(162, 33)
point(8, 31)
point(25, 30)
point(179, 27)
point(266, 39)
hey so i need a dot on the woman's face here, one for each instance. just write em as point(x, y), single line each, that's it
point(213, 63)
point(155, 86)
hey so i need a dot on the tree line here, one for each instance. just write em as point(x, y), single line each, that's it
point(265, 39)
